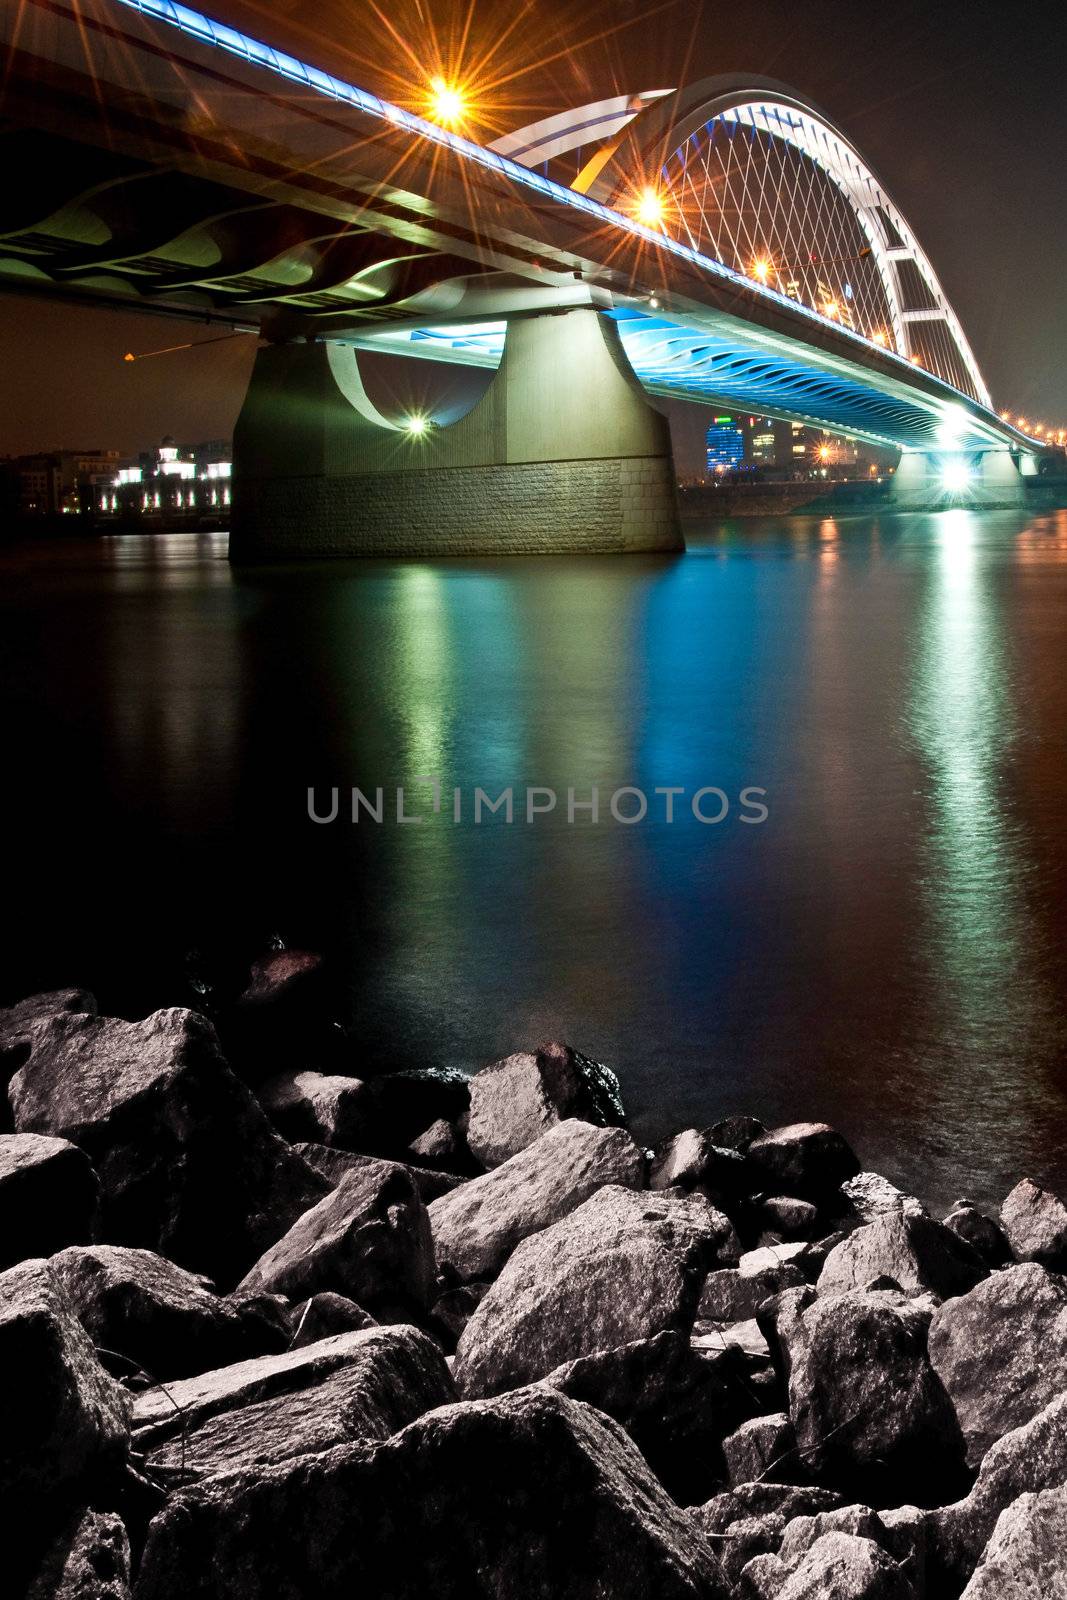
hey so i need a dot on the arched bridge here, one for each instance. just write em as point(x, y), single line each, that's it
point(723, 243)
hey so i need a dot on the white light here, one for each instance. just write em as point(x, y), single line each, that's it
point(415, 425)
point(955, 475)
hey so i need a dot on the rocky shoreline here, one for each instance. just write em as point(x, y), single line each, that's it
point(271, 1332)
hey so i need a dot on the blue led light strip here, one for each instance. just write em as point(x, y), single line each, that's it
point(264, 55)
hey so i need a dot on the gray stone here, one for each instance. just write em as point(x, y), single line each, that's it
point(516, 1100)
point(188, 1163)
point(1026, 1461)
point(1001, 1352)
point(530, 1494)
point(361, 1386)
point(334, 1165)
point(1027, 1556)
point(276, 974)
point(789, 1218)
point(746, 1336)
point(980, 1232)
point(692, 1159)
point(762, 1447)
point(908, 1246)
point(736, 1133)
point(735, 1295)
point(318, 1108)
point(325, 1314)
point(808, 1159)
point(442, 1145)
point(869, 1413)
point(477, 1225)
point(88, 1560)
point(805, 1531)
point(18, 1021)
point(869, 1196)
point(454, 1309)
point(624, 1266)
point(675, 1400)
point(842, 1566)
point(154, 1317)
point(48, 1196)
point(369, 1239)
point(65, 1420)
point(1035, 1222)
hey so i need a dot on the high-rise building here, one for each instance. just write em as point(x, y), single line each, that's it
point(725, 443)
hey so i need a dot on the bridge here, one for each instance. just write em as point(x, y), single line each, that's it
point(722, 243)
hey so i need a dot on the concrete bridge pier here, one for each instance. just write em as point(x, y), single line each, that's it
point(563, 453)
point(934, 481)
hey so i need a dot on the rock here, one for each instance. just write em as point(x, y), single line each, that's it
point(750, 1519)
point(443, 1145)
point(1001, 1352)
point(1035, 1222)
point(980, 1232)
point(324, 1315)
point(354, 1386)
point(692, 1159)
point(675, 1401)
point(188, 1164)
point(762, 1447)
point(762, 1578)
point(405, 1103)
point(734, 1294)
point(1026, 1461)
point(736, 1133)
point(869, 1413)
point(746, 1336)
point(788, 1217)
point(18, 1021)
point(805, 1531)
point(624, 1266)
point(333, 1165)
point(369, 1239)
point(276, 974)
point(145, 1314)
point(492, 1498)
point(48, 1196)
point(454, 1309)
point(516, 1100)
point(65, 1420)
point(88, 1560)
point(314, 1106)
point(1027, 1555)
point(808, 1159)
point(478, 1225)
point(841, 1566)
point(870, 1196)
point(908, 1246)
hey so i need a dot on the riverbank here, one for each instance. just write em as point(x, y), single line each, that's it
point(829, 498)
point(279, 1330)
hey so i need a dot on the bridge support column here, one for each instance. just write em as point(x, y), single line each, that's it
point(936, 482)
point(563, 453)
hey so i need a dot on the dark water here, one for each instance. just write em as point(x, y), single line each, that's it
point(885, 951)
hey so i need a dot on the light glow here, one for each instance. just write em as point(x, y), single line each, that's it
point(649, 208)
point(762, 269)
point(415, 425)
point(955, 475)
point(447, 103)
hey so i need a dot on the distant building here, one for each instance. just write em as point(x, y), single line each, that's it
point(172, 478)
point(725, 446)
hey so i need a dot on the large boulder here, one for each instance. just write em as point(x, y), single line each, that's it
point(980, 1232)
point(1028, 1460)
point(89, 1559)
point(318, 1107)
point(18, 1021)
point(762, 1447)
point(750, 1519)
point(1035, 1222)
point(354, 1386)
point(868, 1195)
point(48, 1196)
point(808, 1159)
point(869, 1412)
point(692, 1159)
point(675, 1400)
point(145, 1314)
point(65, 1421)
point(1001, 1352)
point(735, 1294)
point(516, 1100)
point(839, 1566)
point(527, 1495)
point(334, 1165)
point(920, 1255)
point(322, 1315)
point(368, 1239)
point(477, 1225)
point(1027, 1555)
point(187, 1161)
point(624, 1266)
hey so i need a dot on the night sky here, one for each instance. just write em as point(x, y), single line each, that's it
point(961, 109)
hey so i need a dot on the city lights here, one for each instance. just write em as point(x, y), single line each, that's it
point(447, 103)
point(649, 208)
